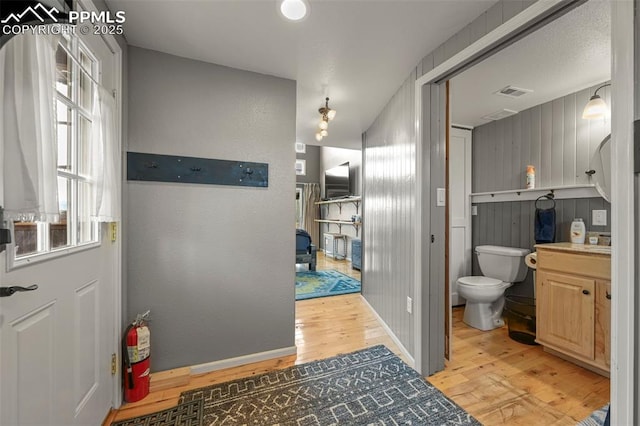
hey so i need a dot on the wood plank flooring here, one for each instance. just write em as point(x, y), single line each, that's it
point(497, 380)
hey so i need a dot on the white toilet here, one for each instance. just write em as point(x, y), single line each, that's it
point(501, 266)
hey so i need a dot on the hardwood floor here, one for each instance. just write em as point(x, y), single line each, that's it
point(497, 380)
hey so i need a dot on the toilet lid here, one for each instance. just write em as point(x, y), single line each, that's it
point(479, 281)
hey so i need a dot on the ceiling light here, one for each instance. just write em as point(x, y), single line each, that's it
point(596, 107)
point(327, 114)
point(294, 10)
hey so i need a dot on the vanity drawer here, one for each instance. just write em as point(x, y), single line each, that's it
point(598, 266)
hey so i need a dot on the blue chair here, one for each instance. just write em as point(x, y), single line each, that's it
point(305, 250)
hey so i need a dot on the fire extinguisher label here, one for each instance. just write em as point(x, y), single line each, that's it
point(144, 343)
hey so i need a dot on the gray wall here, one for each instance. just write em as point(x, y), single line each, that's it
point(510, 224)
point(389, 213)
point(559, 143)
point(213, 263)
point(331, 157)
point(553, 137)
point(312, 158)
point(395, 196)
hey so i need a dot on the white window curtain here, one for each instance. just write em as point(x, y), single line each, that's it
point(28, 128)
point(105, 158)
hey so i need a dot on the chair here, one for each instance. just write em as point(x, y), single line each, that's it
point(305, 249)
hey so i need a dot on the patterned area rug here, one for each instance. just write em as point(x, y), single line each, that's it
point(312, 284)
point(187, 414)
point(596, 418)
point(371, 386)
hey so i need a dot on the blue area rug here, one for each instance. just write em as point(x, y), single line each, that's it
point(368, 387)
point(312, 284)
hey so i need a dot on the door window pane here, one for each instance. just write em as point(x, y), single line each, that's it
point(84, 139)
point(63, 72)
point(59, 232)
point(86, 85)
point(64, 136)
point(26, 238)
point(85, 225)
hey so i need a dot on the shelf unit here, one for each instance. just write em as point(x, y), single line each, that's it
point(559, 193)
point(356, 201)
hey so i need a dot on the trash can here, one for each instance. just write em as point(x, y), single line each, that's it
point(520, 313)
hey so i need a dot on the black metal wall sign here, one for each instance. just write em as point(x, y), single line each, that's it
point(170, 168)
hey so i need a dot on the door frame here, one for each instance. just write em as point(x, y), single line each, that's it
point(118, 62)
point(429, 328)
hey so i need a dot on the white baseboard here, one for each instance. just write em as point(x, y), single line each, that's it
point(242, 360)
point(405, 352)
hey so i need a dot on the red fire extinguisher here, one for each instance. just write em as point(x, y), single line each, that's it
point(136, 354)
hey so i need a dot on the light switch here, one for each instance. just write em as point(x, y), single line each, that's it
point(474, 210)
point(441, 197)
point(599, 218)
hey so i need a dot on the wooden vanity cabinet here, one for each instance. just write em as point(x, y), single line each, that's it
point(573, 306)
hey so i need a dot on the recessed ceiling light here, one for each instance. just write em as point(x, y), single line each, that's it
point(294, 10)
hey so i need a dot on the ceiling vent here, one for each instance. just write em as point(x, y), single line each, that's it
point(512, 92)
point(499, 115)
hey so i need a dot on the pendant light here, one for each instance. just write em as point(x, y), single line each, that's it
point(326, 114)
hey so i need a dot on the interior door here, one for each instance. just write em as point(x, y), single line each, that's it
point(56, 342)
point(460, 209)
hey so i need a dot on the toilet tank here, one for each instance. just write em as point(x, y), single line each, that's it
point(503, 263)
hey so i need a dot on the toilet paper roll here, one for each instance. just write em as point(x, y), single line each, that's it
point(531, 260)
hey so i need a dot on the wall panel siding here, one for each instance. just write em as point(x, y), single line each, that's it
point(559, 143)
point(390, 190)
point(553, 137)
point(389, 213)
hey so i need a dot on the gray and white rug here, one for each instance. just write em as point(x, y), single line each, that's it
point(368, 387)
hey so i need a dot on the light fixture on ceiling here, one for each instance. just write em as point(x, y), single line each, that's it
point(596, 107)
point(327, 114)
point(294, 10)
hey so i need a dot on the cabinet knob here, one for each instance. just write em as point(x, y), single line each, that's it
point(608, 295)
point(586, 292)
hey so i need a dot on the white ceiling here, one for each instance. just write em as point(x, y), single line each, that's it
point(570, 54)
point(358, 53)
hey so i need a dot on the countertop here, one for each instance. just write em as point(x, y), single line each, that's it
point(576, 248)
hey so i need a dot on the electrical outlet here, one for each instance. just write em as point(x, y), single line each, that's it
point(599, 218)
point(409, 305)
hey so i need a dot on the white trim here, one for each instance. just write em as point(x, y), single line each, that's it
point(391, 334)
point(33, 259)
point(242, 360)
point(559, 192)
point(623, 324)
point(521, 20)
point(112, 45)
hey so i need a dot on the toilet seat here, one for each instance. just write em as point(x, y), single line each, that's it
point(476, 281)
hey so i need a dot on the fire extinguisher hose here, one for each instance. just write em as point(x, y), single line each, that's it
point(125, 357)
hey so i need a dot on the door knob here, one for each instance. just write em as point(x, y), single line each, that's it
point(608, 295)
point(8, 291)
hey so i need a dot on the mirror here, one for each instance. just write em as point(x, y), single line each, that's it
point(600, 173)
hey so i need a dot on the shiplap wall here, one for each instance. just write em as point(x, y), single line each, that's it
point(389, 245)
point(555, 139)
point(389, 213)
point(510, 224)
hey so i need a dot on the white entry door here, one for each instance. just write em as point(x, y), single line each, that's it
point(459, 209)
point(56, 342)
